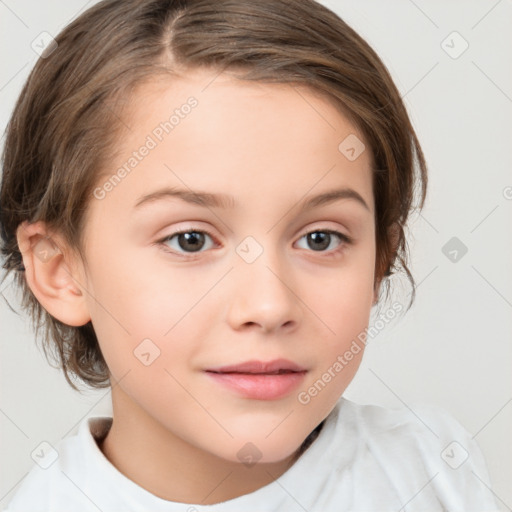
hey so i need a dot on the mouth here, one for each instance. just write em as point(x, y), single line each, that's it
point(260, 380)
point(274, 367)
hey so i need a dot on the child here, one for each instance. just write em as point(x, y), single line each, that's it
point(251, 131)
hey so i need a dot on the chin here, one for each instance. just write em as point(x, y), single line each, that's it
point(257, 451)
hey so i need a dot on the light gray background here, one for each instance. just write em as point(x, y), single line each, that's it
point(453, 348)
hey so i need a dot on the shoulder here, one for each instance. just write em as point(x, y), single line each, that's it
point(51, 484)
point(421, 447)
point(417, 420)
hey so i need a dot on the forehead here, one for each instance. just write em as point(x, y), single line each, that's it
point(217, 92)
point(241, 138)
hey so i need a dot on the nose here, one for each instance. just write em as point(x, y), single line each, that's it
point(263, 297)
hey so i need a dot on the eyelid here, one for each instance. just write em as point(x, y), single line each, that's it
point(345, 239)
point(189, 230)
point(332, 231)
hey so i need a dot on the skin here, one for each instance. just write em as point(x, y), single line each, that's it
point(175, 432)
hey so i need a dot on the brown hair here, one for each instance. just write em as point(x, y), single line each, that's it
point(63, 128)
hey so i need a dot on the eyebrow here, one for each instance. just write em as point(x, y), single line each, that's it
point(210, 200)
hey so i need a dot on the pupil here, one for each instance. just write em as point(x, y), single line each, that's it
point(319, 237)
point(193, 239)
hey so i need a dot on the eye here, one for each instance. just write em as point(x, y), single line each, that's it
point(190, 241)
point(322, 239)
point(187, 240)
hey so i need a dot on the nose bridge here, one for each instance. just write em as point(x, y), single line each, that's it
point(261, 260)
point(263, 287)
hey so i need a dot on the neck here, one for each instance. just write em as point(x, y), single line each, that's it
point(173, 469)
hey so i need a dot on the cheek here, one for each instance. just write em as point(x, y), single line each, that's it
point(346, 311)
point(137, 315)
point(343, 299)
point(343, 305)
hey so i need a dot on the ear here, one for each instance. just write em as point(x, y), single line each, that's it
point(54, 275)
point(394, 237)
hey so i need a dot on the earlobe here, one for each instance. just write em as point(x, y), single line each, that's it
point(50, 272)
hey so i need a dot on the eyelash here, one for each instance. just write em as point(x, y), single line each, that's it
point(344, 240)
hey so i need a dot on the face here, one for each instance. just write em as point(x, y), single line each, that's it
point(261, 271)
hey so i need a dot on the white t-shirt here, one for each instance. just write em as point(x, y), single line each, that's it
point(366, 458)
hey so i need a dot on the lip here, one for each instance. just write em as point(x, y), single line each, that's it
point(259, 367)
point(260, 380)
